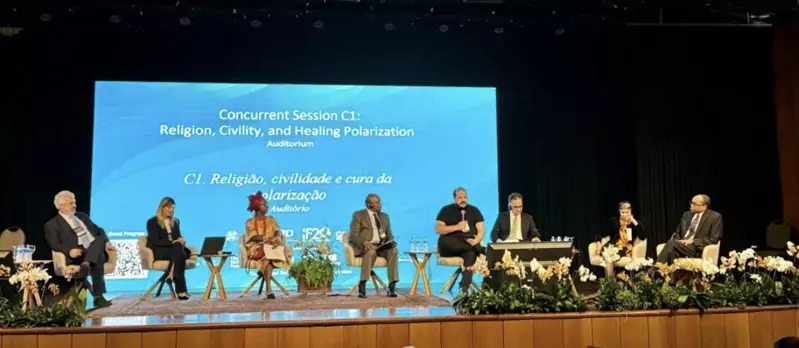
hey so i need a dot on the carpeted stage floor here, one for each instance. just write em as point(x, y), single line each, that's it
point(132, 305)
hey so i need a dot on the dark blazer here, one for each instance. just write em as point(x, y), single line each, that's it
point(361, 229)
point(158, 238)
point(501, 228)
point(61, 238)
point(709, 231)
point(613, 230)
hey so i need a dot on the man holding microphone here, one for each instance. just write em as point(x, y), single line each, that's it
point(461, 228)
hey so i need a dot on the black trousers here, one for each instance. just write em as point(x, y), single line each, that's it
point(675, 250)
point(449, 246)
point(96, 257)
point(176, 254)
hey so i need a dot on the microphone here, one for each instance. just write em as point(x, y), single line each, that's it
point(463, 218)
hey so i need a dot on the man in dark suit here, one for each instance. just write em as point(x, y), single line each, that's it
point(81, 241)
point(369, 229)
point(698, 228)
point(514, 224)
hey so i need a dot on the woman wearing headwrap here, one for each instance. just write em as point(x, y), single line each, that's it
point(263, 233)
point(623, 230)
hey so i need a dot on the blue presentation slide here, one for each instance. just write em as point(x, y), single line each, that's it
point(315, 151)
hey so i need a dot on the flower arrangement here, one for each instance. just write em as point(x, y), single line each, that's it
point(547, 289)
point(25, 314)
point(742, 279)
point(315, 270)
point(27, 279)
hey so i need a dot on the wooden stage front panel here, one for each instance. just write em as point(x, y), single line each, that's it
point(755, 327)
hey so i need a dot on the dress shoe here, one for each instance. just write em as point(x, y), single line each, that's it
point(392, 291)
point(101, 302)
point(183, 298)
point(270, 296)
point(362, 289)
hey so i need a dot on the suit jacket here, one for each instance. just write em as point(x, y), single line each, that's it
point(158, 236)
point(61, 238)
point(709, 231)
point(361, 229)
point(501, 228)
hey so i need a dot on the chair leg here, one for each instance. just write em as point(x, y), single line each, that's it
point(162, 280)
point(150, 291)
point(382, 284)
point(247, 290)
point(451, 282)
point(352, 291)
point(280, 286)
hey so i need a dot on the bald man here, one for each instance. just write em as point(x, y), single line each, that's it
point(698, 228)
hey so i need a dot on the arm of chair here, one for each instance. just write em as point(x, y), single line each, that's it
point(711, 253)
point(639, 250)
point(110, 265)
point(594, 258)
point(349, 255)
point(59, 263)
point(660, 248)
point(146, 258)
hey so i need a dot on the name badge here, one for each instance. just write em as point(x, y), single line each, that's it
point(629, 234)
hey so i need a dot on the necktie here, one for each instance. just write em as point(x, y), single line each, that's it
point(83, 238)
point(516, 229)
point(692, 228)
point(377, 221)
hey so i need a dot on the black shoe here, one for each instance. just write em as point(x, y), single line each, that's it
point(392, 289)
point(270, 296)
point(101, 302)
point(362, 289)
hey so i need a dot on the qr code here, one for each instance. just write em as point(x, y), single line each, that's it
point(128, 262)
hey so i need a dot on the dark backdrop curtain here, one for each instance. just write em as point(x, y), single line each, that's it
point(585, 119)
point(703, 104)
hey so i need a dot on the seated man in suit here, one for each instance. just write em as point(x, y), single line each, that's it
point(698, 228)
point(514, 224)
point(369, 229)
point(81, 241)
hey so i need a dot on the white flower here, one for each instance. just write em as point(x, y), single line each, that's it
point(709, 269)
point(791, 248)
point(637, 263)
point(610, 254)
point(565, 262)
point(585, 274)
point(534, 265)
point(756, 278)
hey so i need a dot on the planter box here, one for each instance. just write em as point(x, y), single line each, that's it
point(304, 288)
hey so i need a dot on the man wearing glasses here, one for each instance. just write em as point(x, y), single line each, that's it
point(698, 228)
point(513, 225)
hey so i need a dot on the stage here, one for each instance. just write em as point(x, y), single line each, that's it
point(418, 323)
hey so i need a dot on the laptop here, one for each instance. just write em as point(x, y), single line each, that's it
point(212, 245)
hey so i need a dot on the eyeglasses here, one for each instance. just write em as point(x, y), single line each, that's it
point(517, 206)
point(697, 204)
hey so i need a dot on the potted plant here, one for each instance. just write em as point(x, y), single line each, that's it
point(31, 313)
point(314, 272)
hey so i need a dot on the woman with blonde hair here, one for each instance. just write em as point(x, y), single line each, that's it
point(167, 244)
point(264, 242)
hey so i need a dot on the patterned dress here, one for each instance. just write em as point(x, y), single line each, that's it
point(268, 228)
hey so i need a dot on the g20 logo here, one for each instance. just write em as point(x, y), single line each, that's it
point(315, 233)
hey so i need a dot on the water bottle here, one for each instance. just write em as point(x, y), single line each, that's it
point(424, 245)
point(552, 238)
point(557, 239)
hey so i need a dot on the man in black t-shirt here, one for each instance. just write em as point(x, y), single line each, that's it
point(461, 228)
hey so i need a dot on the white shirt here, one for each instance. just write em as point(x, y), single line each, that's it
point(515, 233)
point(375, 232)
point(698, 218)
